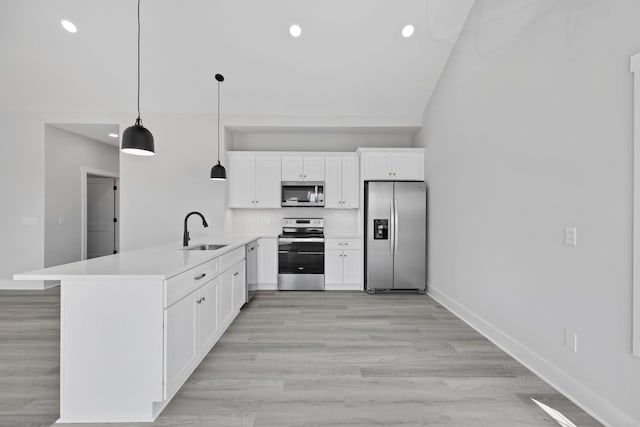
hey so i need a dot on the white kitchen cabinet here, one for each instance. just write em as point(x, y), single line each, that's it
point(254, 181)
point(226, 297)
point(401, 164)
point(342, 182)
point(333, 266)
point(351, 267)
point(343, 261)
point(239, 280)
point(181, 349)
point(208, 326)
point(268, 262)
point(303, 168)
point(268, 181)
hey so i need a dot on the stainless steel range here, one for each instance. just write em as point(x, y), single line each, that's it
point(301, 255)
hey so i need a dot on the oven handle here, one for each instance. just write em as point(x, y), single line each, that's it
point(301, 252)
point(292, 240)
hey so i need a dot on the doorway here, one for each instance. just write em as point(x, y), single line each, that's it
point(100, 213)
point(102, 216)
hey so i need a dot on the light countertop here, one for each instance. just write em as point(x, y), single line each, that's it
point(152, 263)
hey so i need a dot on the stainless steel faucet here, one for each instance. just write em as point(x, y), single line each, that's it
point(185, 235)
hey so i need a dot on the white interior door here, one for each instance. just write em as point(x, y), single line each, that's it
point(101, 211)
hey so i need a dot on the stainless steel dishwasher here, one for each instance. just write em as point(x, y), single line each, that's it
point(252, 270)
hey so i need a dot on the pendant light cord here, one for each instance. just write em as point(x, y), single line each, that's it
point(218, 122)
point(139, 120)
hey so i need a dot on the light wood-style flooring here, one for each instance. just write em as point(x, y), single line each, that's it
point(305, 359)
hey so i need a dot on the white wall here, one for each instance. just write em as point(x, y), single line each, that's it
point(65, 154)
point(269, 221)
point(530, 130)
point(319, 140)
point(158, 192)
point(22, 192)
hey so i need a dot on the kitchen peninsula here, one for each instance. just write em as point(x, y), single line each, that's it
point(135, 325)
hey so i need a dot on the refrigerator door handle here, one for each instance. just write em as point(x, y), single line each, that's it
point(395, 225)
point(391, 229)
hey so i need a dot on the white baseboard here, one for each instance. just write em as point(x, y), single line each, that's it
point(591, 402)
point(267, 286)
point(26, 285)
point(342, 287)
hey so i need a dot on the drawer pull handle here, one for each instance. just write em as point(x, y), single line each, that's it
point(235, 274)
point(201, 276)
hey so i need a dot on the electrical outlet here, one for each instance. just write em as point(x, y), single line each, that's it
point(571, 340)
point(60, 220)
point(29, 220)
point(570, 236)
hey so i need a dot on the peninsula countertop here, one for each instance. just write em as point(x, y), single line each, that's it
point(152, 263)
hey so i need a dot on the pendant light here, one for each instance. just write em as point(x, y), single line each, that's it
point(137, 139)
point(218, 173)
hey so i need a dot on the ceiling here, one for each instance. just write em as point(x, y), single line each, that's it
point(96, 131)
point(350, 60)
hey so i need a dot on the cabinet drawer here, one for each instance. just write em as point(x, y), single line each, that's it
point(184, 283)
point(342, 244)
point(229, 259)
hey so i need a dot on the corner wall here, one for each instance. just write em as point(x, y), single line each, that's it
point(65, 154)
point(528, 131)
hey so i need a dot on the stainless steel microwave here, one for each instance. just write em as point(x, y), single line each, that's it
point(302, 193)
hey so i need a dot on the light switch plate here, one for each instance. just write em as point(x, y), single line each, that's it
point(29, 220)
point(570, 236)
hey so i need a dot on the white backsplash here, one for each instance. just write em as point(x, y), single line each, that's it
point(337, 221)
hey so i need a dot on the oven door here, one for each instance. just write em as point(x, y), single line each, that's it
point(300, 256)
point(301, 264)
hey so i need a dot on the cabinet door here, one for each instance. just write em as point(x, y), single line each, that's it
point(241, 180)
point(208, 323)
point(333, 266)
point(313, 169)
point(268, 261)
point(352, 269)
point(225, 306)
point(408, 166)
point(350, 182)
point(181, 348)
point(267, 182)
point(333, 182)
point(378, 166)
point(239, 285)
point(292, 168)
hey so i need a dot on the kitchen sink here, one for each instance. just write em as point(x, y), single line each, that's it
point(205, 247)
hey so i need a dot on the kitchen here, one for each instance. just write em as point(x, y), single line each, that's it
point(279, 110)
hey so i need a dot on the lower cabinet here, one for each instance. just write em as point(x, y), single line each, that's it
point(193, 324)
point(343, 262)
point(342, 266)
point(232, 290)
point(181, 350)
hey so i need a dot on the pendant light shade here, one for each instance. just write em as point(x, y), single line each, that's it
point(218, 173)
point(137, 139)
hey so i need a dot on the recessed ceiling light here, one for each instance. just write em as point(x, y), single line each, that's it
point(407, 31)
point(295, 30)
point(69, 26)
point(113, 135)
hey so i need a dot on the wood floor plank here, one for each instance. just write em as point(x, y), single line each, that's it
point(305, 359)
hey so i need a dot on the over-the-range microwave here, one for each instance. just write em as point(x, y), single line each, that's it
point(303, 193)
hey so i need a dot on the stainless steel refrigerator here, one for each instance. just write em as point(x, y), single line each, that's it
point(396, 230)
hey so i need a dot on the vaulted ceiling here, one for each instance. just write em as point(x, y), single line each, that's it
point(350, 60)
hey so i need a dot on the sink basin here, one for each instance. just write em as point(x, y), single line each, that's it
point(205, 247)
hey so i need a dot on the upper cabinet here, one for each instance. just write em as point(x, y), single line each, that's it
point(302, 168)
point(342, 180)
point(254, 180)
point(386, 164)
